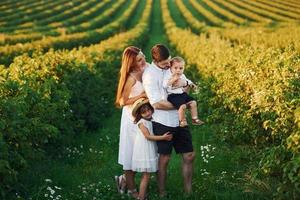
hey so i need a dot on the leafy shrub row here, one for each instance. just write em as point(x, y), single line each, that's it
point(68, 41)
point(52, 26)
point(47, 98)
point(260, 85)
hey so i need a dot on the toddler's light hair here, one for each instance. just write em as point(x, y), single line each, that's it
point(177, 59)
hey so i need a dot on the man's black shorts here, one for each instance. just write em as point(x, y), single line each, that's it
point(182, 139)
point(179, 99)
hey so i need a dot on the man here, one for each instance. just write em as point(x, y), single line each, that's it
point(165, 118)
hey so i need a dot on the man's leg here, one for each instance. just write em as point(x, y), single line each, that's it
point(164, 149)
point(162, 172)
point(187, 170)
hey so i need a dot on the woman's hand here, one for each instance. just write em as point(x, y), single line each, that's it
point(143, 95)
point(167, 136)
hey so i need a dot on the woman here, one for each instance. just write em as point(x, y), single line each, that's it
point(130, 89)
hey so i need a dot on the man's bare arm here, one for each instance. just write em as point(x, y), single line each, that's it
point(163, 105)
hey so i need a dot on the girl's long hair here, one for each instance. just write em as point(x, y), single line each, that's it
point(128, 63)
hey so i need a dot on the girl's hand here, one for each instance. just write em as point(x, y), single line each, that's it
point(167, 136)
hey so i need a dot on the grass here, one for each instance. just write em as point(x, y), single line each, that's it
point(213, 11)
point(89, 162)
point(137, 15)
point(176, 14)
point(85, 168)
point(196, 14)
point(156, 34)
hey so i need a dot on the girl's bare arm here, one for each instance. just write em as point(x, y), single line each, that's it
point(148, 136)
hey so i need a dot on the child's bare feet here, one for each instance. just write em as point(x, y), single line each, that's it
point(197, 121)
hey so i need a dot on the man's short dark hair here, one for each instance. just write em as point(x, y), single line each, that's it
point(160, 52)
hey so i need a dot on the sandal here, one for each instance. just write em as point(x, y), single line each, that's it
point(183, 123)
point(119, 180)
point(197, 121)
point(133, 193)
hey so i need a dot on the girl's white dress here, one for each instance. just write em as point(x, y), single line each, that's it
point(128, 130)
point(145, 156)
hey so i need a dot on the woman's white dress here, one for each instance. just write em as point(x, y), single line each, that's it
point(144, 158)
point(128, 130)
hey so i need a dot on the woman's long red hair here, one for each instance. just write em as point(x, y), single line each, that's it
point(128, 64)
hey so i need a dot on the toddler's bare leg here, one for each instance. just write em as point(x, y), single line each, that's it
point(181, 112)
point(194, 111)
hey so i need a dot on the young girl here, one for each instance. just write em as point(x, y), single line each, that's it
point(145, 157)
point(177, 95)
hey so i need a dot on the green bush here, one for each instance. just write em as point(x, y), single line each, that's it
point(45, 100)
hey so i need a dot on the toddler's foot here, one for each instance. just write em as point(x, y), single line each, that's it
point(197, 121)
point(183, 123)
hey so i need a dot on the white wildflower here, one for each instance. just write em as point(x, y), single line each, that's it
point(48, 180)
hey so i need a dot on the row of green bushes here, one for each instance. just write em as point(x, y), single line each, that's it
point(35, 14)
point(260, 85)
point(45, 99)
point(68, 41)
point(52, 26)
point(10, 7)
point(48, 98)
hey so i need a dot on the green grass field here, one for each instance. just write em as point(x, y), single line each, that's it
point(82, 166)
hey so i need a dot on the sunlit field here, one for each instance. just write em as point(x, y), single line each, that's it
point(59, 64)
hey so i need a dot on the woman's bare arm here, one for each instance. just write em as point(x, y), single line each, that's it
point(125, 100)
